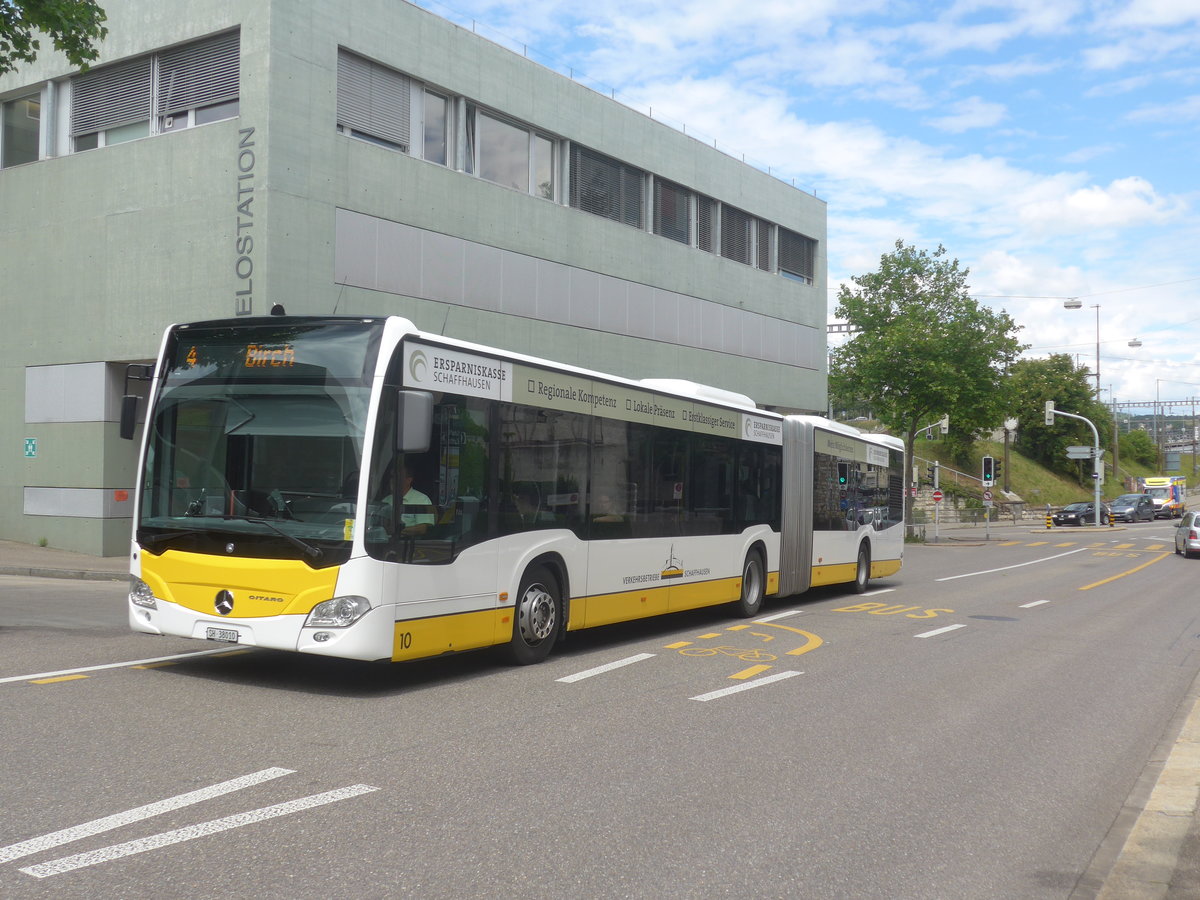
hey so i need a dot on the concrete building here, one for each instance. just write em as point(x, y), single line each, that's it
point(362, 157)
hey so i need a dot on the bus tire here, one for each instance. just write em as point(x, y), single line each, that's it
point(754, 585)
point(862, 569)
point(536, 616)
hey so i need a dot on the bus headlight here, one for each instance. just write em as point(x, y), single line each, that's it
point(140, 593)
point(338, 612)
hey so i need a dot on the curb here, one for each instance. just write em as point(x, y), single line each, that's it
point(76, 574)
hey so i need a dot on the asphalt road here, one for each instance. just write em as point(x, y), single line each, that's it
point(970, 728)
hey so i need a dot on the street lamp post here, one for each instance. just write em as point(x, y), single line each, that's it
point(1076, 303)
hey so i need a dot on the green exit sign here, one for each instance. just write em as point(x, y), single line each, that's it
point(30, 448)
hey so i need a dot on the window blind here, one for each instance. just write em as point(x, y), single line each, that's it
point(373, 99)
point(111, 96)
point(198, 74)
point(606, 187)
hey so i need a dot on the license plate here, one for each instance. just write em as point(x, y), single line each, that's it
point(225, 635)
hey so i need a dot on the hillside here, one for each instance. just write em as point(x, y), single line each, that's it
point(1034, 484)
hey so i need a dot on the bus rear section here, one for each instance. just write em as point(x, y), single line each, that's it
point(844, 509)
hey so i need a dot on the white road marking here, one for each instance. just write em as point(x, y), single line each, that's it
point(120, 665)
point(108, 823)
point(745, 686)
point(782, 615)
point(608, 667)
point(1017, 566)
point(165, 839)
point(939, 631)
point(1034, 603)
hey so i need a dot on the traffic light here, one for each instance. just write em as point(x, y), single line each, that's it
point(944, 424)
point(989, 470)
point(932, 472)
point(843, 474)
point(996, 465)
point(1049, 412)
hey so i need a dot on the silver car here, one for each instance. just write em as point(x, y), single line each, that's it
point(1133, 508)
point(1187, 535)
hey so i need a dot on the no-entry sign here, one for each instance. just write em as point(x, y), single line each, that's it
point(937, 496)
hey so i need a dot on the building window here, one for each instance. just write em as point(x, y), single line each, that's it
point(672, 211)
point(762, 238)
point(797, 255)
point(736, 235)
point(373, 101)
point(198, 82)
point(509, 153)
point(436, 123)
point(543, 167)
point(116, 98)
point(20, 122)
point(194, 84)
point(502, 152)
point(707, 223)
point(605, 187)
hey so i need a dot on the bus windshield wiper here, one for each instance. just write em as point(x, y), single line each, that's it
point(154, 540)
point(312, 552)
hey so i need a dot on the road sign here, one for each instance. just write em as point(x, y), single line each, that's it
point(1081, 452)
point(987, 495)
point(937, 496)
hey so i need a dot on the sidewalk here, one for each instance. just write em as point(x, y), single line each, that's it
point(47, 562)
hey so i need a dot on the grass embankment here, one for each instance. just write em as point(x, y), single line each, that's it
point(1037, 485)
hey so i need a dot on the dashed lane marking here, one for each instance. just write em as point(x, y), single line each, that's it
point(938, 631)
point(607, 667)
point(745, 686)
point(58, 679)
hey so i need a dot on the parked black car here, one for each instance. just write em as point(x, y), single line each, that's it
point(1133, 508)
point(1082, 513)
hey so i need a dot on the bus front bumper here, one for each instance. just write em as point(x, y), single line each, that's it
point(370, 638)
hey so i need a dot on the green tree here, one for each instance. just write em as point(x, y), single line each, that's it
point(923, 348)
point(1057, 378)
point(1139, 447)
point(74, 26)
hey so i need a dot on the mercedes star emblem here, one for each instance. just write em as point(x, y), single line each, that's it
point(224, 604)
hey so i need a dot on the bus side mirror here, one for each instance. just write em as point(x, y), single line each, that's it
point(129, 402)
point(128, 416)
point(414, 421)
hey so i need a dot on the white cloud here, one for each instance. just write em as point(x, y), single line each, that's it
point(1156, 14)
point(973, 112)
point(1186, 109)
point(1125, 203)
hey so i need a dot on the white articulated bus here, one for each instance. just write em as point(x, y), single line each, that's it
point(356, 488)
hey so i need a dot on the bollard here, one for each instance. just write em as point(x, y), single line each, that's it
point(1049, 523)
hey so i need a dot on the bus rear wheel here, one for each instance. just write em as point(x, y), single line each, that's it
point(535, 617)
point(754, 585)
point(862, 570)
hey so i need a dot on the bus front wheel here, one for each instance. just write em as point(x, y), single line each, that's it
point(535, 617)
point(862, 571)
point(754, 585)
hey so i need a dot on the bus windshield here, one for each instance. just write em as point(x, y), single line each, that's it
point(256, 439)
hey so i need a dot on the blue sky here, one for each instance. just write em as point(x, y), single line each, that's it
point(1050, 145)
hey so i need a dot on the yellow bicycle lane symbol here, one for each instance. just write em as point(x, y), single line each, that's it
point(689, 648)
